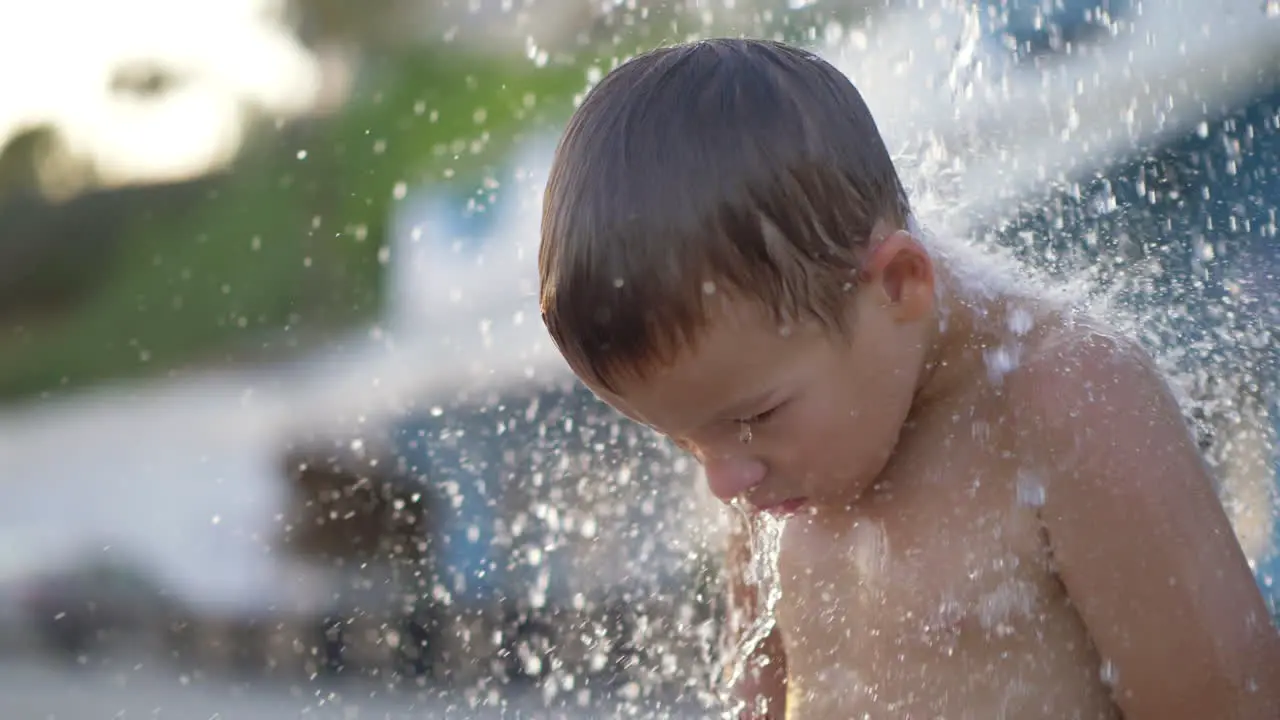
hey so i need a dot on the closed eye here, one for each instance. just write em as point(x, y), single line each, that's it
point(759, 417)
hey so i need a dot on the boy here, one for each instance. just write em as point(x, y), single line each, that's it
point(994, 509)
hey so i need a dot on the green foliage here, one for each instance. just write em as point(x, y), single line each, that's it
point(286, 247)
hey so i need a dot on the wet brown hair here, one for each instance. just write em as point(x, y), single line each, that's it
point(744, 167)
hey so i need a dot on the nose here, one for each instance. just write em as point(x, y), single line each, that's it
point(730, 476)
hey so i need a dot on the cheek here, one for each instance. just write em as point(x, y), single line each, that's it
point(846, 431)
point(827, 436)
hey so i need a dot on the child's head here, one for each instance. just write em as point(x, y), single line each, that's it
point(724, 259)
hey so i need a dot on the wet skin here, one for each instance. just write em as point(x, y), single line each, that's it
point(1003, 515)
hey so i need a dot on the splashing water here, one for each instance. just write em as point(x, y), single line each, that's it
point(1085, 243)
point(540, 537)
point(761, 574)
point(965, 66)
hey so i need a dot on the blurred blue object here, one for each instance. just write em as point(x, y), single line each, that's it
point(1268, 568)
point(454, 469)
point(1039, 27)
point(463, 222)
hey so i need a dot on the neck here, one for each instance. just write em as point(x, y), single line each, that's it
point(965, 326)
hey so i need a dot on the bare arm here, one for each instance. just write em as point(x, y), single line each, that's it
point(1143, 545)
point(767, 674)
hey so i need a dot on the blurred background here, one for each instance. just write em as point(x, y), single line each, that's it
point(280, 430)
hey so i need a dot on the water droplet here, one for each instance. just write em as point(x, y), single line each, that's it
point(1001, 361)
point(1020, 321)
point(762, 573)
point(1108, 673)
point(1030, 490)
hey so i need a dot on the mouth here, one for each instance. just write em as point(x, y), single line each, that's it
point(784, 508)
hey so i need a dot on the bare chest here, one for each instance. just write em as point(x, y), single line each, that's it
point(935, 595)
point(919, 565)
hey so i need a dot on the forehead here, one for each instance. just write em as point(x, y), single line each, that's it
point(741, 350)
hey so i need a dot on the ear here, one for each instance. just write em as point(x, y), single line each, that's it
point(900, 271)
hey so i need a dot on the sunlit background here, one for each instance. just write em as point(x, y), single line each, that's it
point(281, 434)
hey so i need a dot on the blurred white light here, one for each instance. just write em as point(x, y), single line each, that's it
point(223, 61)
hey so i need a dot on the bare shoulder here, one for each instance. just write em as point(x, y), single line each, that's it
point(1140, 539)
point(1088, 401)
point(1073, 373)
point(1084, 349)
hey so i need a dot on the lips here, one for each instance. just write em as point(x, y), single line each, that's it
point(784, 508)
